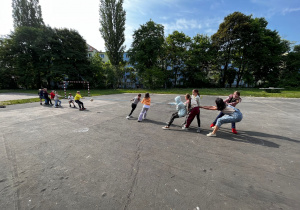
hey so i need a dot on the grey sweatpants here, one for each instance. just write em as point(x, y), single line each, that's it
point(143, 114)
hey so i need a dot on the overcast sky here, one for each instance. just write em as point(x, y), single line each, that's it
point(188, 16)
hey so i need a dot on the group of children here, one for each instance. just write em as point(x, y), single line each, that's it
point(191, 109)
point(43, 94)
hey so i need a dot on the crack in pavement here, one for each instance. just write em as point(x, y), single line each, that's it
point(11, 156)
point(134, 173)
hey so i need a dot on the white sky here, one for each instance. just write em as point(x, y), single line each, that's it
point(81, 15)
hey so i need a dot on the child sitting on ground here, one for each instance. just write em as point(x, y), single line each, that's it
point(71, 100)
point(77, 100)
point(56, 99)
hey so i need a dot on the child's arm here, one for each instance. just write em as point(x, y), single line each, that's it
point(234, 103)
point(228, 99)
point(209, 107)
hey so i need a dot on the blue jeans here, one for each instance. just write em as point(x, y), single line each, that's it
point(221, 115)
point(236, 116)
point(56, 102)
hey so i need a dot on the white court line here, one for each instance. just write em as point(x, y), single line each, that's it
point(274, 107)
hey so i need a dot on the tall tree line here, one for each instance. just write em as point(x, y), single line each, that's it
point(243, 50)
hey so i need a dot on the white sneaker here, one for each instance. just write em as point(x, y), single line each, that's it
point(213, 127)
point(184, 128)
point(211, 134)
point(198, 130)
point(127, 117)
point(166, 128)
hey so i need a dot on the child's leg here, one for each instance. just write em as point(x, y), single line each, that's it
point(55, 102)
point(198, 119)
point(78, 102)
point(191, 117)
point(133, 106)
point(233, 125)
point(219, 115)
point(142, 113)
point(59, 102)
point(145, 113)
point(50, 100)
point(174, 115)
point(186, 117)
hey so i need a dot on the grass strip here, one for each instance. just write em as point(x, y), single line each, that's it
point(20, 101)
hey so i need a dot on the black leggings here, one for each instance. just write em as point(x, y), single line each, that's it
point(174, 115)
point(133, 106)
point(80, 104)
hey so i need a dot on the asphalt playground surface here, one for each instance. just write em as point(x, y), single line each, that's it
point(62, 158)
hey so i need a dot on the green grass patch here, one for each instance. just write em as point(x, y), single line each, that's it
point(20, 101)
point(254, 92)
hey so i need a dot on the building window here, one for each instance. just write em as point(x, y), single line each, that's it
point(102, 55)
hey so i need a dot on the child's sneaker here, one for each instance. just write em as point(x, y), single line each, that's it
point(198, 130)
point(211, 134)
point(41, 104)
point(166, 128)
point(212, 125)
point(184, 128)
point(127, 117)
point(234, 131)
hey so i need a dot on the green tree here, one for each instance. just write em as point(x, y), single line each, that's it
point(24, 52)
point(199, 60)
point(97, 78)
point(112, 27)
point(69, 55)
point(230, 41)
point(291, 73)
point(38, 56)
point(7, 71)
point(145, 53)
point(177, 47)
point(265, 53)
point(27, 13)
